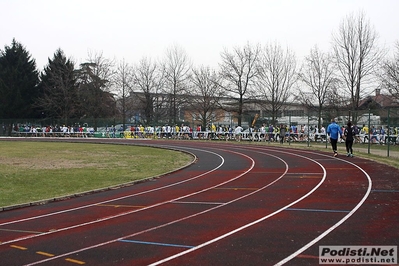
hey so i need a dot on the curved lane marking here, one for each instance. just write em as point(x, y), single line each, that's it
point(119, 198)
point(137, 210)
point(249, 224)
point(178, 220)
point(202, 212)
point(245, 226)
point(346, 217)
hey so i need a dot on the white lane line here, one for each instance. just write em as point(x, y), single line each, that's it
point(181, 219)
point(119, 198)
point(20, 231)
point(249, 224)
point(346, 217)
point(162, 225)
point(316, 210)
point(194, 215)
point(314, 241)
point(137, 210)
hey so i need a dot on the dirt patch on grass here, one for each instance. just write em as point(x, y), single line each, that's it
point(47, 163)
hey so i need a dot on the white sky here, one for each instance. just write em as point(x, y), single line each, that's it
point(132, 29)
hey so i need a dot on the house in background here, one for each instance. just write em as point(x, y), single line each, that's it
point(378, 101)
point(382, 105)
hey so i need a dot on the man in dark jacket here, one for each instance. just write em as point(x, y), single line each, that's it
point(282, 133)
point(349, 134)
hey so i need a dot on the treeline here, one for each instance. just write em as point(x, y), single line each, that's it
point(159, 91)
point(60, 91)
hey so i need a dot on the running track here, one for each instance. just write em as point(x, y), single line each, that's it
point(234, 205)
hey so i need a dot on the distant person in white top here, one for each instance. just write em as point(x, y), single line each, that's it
point(238, 132)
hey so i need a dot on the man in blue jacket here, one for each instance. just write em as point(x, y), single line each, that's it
point(333, 131)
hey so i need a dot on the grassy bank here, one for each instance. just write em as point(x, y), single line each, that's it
point(377, 153)
point(32, 171)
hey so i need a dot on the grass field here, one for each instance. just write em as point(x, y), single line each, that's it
point(33, 171)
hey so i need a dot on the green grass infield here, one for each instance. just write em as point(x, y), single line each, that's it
point(33, 172)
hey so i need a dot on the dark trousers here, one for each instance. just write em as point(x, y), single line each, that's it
point(334, 144)
point(348, 144)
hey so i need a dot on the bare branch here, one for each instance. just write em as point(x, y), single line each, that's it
point(390, 74)
point(148, 82)
point(277, 77)
point(318, 74)
point(239, 71)
point(176, 67)
point(356, 54)
point(205, 94)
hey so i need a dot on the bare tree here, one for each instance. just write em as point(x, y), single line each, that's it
point(123, 83)
point(390, 74)
point(148, 82)
point(176, 67)
point(205, 94)
point(318, 74)
point(357, 55)
point(96, 76)
point(277, 77)
point(239, 71)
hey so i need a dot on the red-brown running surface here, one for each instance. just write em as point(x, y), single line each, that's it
point(235, 205)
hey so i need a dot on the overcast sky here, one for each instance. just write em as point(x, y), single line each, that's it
point(132, 29)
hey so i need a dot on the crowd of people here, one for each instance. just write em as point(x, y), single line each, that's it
point(221, 132)
point(52, 131)
point(377, 134)
point(271, 133)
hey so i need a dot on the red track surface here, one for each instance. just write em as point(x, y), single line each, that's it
point(235, 205)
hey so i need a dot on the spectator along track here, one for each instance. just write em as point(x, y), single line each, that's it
point(235, 205)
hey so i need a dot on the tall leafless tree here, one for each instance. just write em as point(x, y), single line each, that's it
point(318, 74)
point(390, 74)
point(239, 71)
point(357, 54)
point(148, 82)
point(123, 83)
point(96, 76)
point(205, 95)
point(278, 74)
point(176, 67)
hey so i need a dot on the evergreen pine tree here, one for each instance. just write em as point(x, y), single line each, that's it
point(59, 88)
point(18, 83)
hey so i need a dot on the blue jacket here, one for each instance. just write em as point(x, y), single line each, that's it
point(333, 130)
